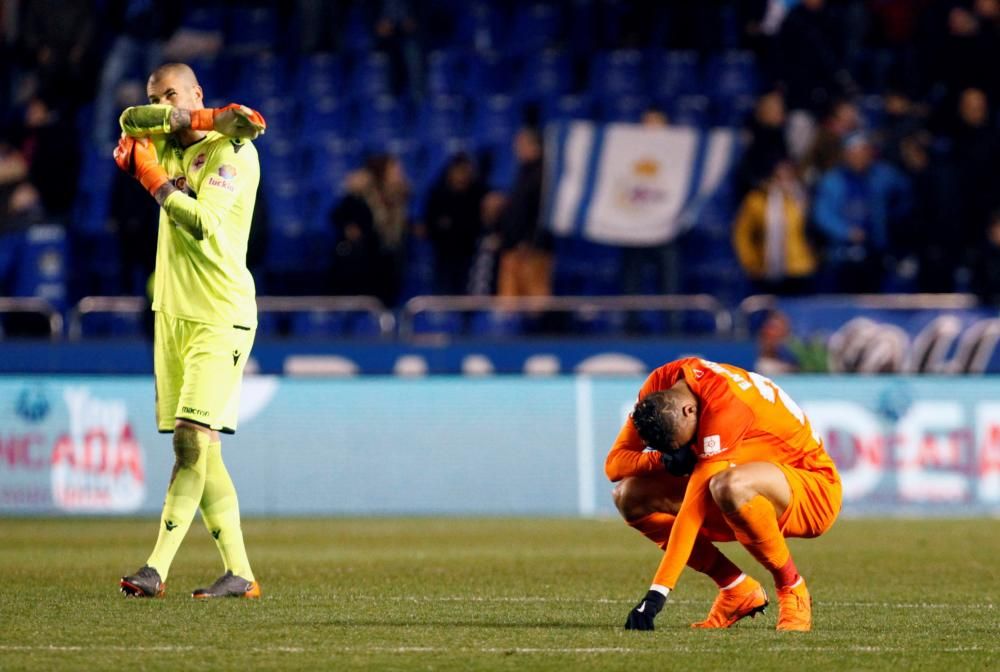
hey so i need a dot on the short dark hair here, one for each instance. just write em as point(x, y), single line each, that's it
point(655, 418)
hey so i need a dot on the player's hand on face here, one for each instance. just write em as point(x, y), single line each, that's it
point(642, 615)
point(679, 462)
point(239, 121)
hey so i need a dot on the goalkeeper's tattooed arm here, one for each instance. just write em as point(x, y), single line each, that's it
point(235, 121)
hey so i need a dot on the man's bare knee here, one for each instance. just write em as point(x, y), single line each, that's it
point(731, 489)
point(634, 499)
point(187, 451)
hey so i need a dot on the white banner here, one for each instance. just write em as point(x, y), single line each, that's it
point(626, 184)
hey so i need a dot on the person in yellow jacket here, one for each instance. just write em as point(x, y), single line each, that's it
point(769, 235)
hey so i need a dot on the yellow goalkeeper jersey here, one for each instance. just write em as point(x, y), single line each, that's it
point(201, 273)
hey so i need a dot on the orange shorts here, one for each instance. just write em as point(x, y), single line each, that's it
point(815, 504)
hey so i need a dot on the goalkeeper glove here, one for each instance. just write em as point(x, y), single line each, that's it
point(235, 121)
point(679, 462)
point(137, 157)
point(641, 617)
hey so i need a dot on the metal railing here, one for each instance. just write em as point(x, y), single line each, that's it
point(28, 305)
point(331, 304)
point(90, 305)
point(700, 303)
point(758, 303)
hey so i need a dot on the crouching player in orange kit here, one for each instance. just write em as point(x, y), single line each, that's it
point(758, 474)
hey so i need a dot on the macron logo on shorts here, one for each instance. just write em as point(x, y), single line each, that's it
point(712, 445)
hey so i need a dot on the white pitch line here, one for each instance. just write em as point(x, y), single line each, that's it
point(662, 646)
point(530, 599)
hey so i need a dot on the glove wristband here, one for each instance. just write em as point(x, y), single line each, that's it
point(203, 120)
point(152, 179)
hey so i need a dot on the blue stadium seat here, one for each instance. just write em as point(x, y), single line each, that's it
point(320, 75)
point(316, 323)
point(252, 28)
point(441, 117)
point(264, 76)
point(287, 244)
point(495, 121)
point(487, 74)
point(112, 325)
point(326, 115)
point(535, 26)
point(434, 322)
point(205, 18)
point(495, 323)
point(599, 323)
point(480, 27)
point(626, 109)
point(689, 111)
point(570, 106)
point(372, 76)
point(502, 170)
point(42, 267)
point(732, 74)
point(281, 162)
point(331, 158)
point(545, 74)
point(673, 73)
point(356, 31)
point(364, 324)
point(617, 73)
point(282, 120)
point(382, 120)
point(733, 112)
point(445, 74)
point(208, 71)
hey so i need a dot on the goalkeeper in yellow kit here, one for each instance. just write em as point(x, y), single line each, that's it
point(202, 169)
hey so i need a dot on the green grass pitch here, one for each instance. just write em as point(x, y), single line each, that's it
point(486, 594)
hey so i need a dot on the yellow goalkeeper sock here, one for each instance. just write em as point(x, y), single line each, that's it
point(220, 509)
point(183, 495)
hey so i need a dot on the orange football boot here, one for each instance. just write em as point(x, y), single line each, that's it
point(229, 585)
point(747, 598)
point(795, 607)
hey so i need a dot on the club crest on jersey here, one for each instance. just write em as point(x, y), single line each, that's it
point(227, 172)
point(198, 162)
point(712, 445)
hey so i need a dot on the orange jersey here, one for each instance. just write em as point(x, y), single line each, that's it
point(742, 417)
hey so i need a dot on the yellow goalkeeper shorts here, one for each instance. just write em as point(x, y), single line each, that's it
point(198, 369)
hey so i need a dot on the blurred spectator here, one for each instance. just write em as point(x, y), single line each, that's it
point(841, 119)
point(769, 235)
point(974, 163)
point(858, 205)
point(58, 38)
point(962, 49)
point(141, 28)
point(133, 218)
point(766, 145)
point(369, 225)
point(987, 269)
point(453, 223)
point(658, 262)
point(774, 358)
point(47, 143)
point(526, 257)
point(810, 57)
point(902, 120)
point(654, 117)
point(483, 275)
point(398, 34)
point(925, 233)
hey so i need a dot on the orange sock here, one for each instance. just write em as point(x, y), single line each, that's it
point(705, 557)
point(756, 527)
